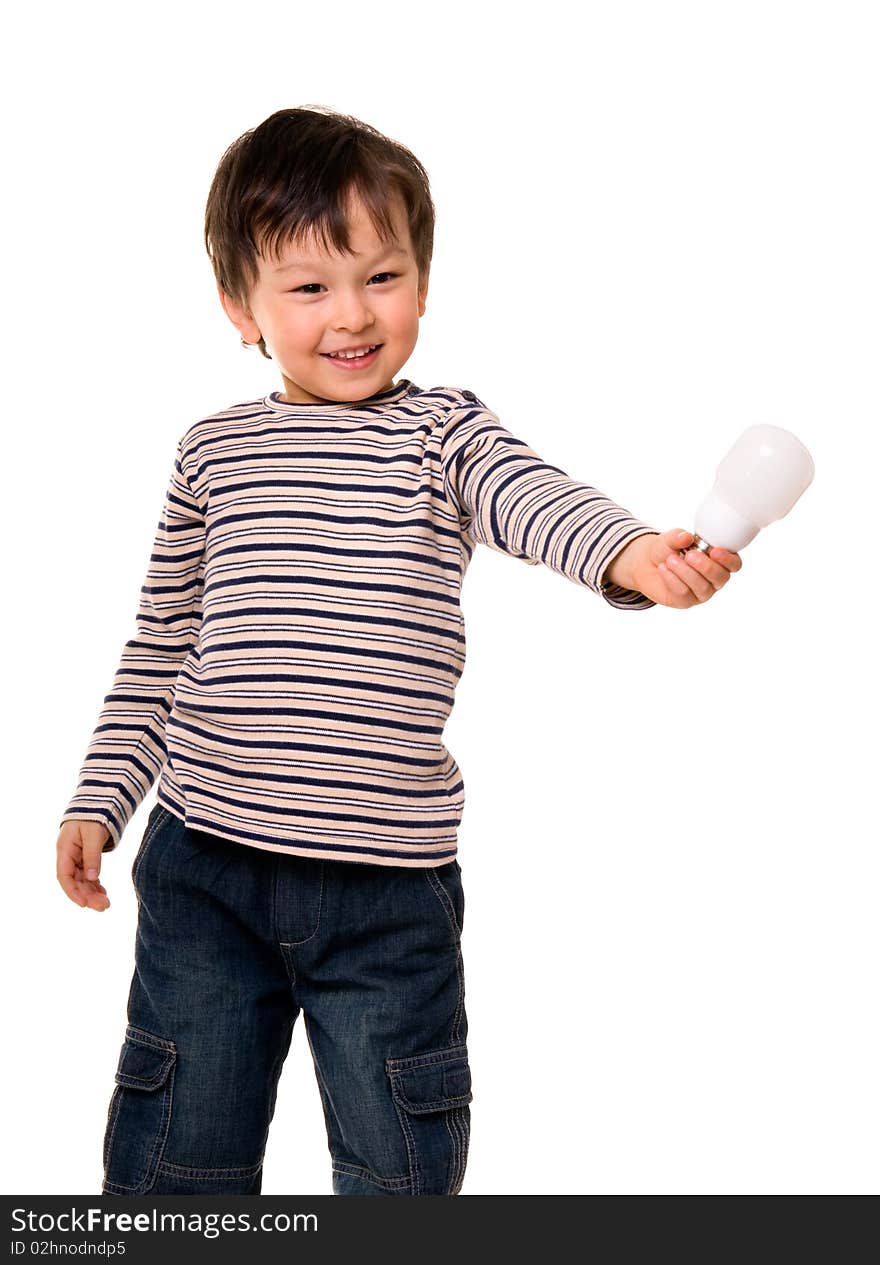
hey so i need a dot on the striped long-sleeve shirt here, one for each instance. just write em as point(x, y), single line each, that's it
point(300, 636)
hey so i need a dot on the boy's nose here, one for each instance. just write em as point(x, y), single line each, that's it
point(352, 314)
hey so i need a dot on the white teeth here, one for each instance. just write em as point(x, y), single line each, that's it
point(351, 355)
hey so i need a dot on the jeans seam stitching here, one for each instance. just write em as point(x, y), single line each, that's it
point(462, 1124)
point(207, 1174)
point(365, 1174)
point(443, 897)
point(448, 1054)
point(453, 1139)
point(147, 840)
point(412, 1153)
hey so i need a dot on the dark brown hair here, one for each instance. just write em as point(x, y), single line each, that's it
point(292, 177)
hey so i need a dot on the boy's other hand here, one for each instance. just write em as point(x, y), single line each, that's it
point(79, 855)
point(669, 578)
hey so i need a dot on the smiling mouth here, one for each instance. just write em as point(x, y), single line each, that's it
point(360, 354)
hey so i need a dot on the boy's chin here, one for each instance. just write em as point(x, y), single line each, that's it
point(351, 385)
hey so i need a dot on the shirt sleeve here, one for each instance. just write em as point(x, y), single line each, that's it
point(516, 503)
point(127, 749)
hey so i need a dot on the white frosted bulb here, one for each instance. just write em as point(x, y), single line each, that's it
point(758, 481)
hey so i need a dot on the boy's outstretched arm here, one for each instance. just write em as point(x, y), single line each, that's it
point(514, 501)
point(652, 565)
point(509, 498)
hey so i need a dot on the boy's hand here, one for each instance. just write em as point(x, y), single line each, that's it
point(79, 855)
point(655, 568)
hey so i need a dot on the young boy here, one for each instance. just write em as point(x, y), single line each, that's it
point(299, 642)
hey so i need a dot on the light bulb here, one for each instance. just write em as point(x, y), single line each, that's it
point(758, 482)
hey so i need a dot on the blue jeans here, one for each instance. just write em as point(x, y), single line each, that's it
point(232, 942)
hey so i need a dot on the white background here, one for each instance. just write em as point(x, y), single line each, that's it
point(657, 224)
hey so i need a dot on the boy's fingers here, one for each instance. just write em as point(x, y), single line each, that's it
point(731, 561)
point(76, 857)
point(714, 572)
point(723, 557)
point(678, 540)
point(70, 879)
point(676, 586)
point(690, 576)
point(93, 890)
point(66, 865)
point(91, 895)
point(675, 538)
point(94, 835)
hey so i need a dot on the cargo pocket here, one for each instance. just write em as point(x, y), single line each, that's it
point(431, 1092)
point(139, 1113)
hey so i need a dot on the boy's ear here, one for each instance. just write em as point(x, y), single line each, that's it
point(240, 316)
point(423, 294)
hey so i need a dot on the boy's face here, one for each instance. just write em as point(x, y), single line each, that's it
point(308, 303)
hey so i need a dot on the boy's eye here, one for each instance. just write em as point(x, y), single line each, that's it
point(311, 286)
